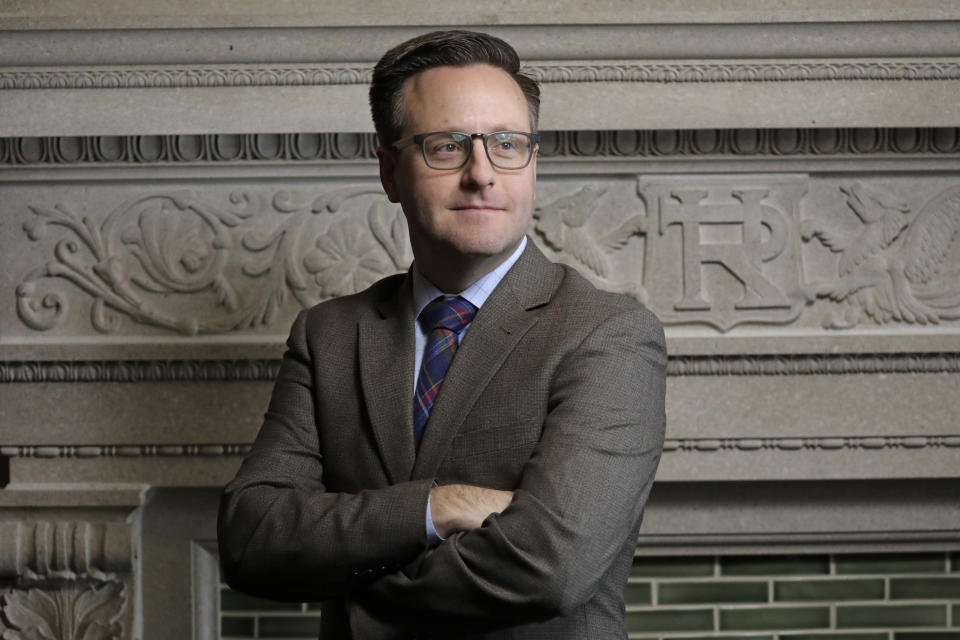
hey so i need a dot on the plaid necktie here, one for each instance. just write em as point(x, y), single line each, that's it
point(442, 320)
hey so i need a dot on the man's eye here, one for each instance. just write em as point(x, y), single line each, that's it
point(446, 147)
point(504, 145)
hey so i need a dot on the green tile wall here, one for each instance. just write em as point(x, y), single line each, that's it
point(670, 620)
point(289, 627)
point(752, 636)
point(236, 627)
point(776, 597)
point(701, 592)
point(892, 563)
point(805, 589)
point(927, 615)
point(918, 588)
point(638, 593)
point(835, 636)
point(672, 567)
point(774, 618)
point(774, 565)
point(236, 601)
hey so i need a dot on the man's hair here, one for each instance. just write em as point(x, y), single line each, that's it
point(439, 49)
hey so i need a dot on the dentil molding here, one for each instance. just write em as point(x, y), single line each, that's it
point(555, 145)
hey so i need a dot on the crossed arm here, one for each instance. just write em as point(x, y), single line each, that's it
point(511, 557)
point(463, 507)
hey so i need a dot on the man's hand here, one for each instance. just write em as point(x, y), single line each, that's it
point(462, 507)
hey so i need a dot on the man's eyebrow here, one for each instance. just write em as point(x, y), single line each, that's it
point(496, 127)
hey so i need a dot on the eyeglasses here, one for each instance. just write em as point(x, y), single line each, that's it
point(445, 150)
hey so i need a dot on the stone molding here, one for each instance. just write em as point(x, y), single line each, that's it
point(545, 72)
point(684, 445)
point(64, 550)
point(797, 543)
point(828, 443)
point(265, 370)
point(753, 71)
point(586, 144)
point(814, 364)
point(125, 451)
point(127, 14)
point(251, 370)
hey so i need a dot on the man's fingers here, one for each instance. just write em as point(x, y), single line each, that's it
point(462, 507)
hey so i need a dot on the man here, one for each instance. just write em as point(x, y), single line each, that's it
point(507, 503)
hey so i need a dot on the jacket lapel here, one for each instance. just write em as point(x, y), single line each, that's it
point(495, 331)
point(386, 373)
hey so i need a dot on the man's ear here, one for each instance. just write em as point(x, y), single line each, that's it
point(388, 172)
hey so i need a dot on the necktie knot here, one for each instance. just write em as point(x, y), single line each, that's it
point(452, 314)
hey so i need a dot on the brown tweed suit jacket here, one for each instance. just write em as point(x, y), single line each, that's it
point(556, 393)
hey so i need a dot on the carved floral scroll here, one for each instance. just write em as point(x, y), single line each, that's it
point(186, 262)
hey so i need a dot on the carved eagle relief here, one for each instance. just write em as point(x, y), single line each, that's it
point(896, 268)
point(562, 225)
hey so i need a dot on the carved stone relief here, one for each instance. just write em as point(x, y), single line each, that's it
point(65, 580)
point(725, 250)
point(194, 264)
point(709, 252)
point(901, 265)
point(68, 611)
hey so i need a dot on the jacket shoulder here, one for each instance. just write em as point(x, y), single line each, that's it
point(359, 304)
point(577, 295)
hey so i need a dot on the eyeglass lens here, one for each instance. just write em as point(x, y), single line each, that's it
point(449, 150)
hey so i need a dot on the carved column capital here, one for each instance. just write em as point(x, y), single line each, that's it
point(64, 550)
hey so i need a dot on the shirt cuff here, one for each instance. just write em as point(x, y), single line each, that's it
point(433, 538)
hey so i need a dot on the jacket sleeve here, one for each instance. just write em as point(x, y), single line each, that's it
point(281, 534)
point(579, 501)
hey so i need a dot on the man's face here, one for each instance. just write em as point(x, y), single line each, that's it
point(477, 211)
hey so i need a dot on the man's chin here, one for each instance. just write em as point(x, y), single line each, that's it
point(482, 248)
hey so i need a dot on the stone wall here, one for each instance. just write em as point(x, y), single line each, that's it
point(780, 185)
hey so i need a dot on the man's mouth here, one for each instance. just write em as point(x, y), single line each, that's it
point(476, 206)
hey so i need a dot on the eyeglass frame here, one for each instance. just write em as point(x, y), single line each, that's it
point(420, 137)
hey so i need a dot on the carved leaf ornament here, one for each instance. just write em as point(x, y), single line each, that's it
point(74, 611)
point(187, 263)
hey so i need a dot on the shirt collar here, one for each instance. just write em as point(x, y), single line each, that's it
point(476, 294)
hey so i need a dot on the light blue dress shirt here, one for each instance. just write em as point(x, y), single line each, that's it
point(476, 294)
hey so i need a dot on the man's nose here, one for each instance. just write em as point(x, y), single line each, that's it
point(478, 170)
